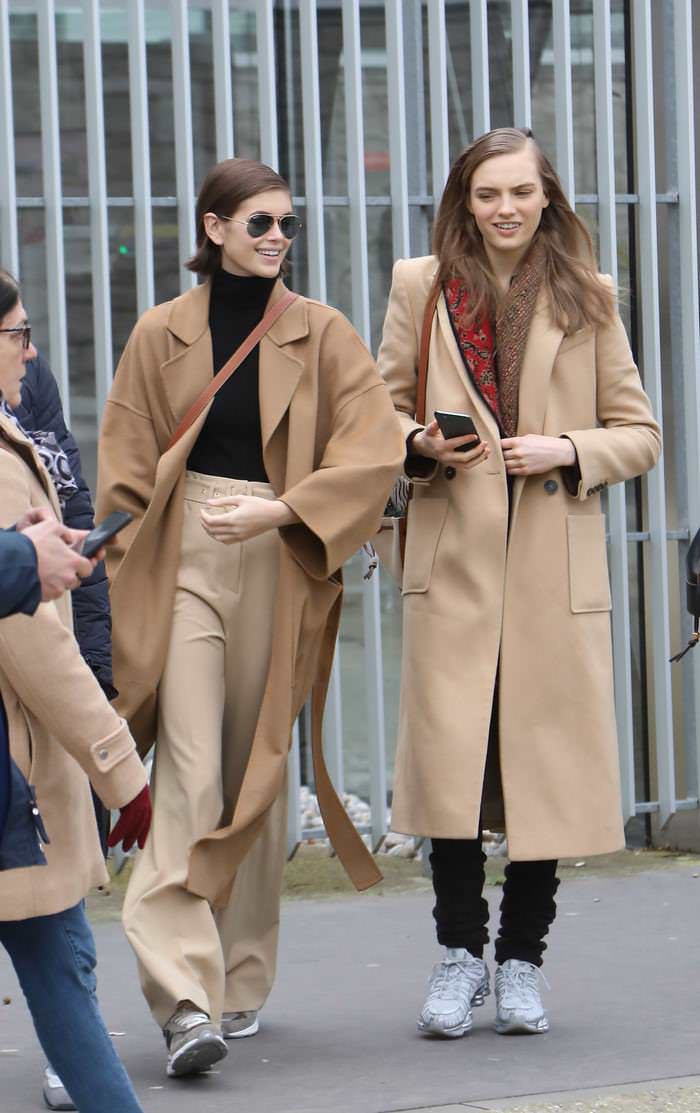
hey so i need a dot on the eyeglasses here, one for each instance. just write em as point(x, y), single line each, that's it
point(259, 224)
point(25, 330)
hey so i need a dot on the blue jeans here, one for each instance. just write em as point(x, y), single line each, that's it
point(54, 959)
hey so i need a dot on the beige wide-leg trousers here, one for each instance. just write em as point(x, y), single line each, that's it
point(209, 699)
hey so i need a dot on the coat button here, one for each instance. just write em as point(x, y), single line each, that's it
point(550, 486)
point(450, 472)
point(103, 755)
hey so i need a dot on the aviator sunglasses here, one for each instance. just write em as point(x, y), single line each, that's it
point(26, 331)
point(259, 224)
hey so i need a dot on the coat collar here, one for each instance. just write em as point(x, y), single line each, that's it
point(189, 316)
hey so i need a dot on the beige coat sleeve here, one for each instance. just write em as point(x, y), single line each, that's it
point(41, 661)
point(628, 440)
point(128, 450)
point(340, 503)
point(397, 361)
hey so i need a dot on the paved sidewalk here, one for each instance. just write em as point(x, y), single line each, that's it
point(338, 1033)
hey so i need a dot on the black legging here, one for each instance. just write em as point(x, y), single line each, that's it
point(461, 913)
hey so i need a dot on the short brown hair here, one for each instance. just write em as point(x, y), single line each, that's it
point(226, 186)
point(576, 295)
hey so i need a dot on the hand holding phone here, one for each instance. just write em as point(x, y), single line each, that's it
point(105, 531)
point(457, 425)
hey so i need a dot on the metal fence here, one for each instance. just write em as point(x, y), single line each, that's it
point(113, 110)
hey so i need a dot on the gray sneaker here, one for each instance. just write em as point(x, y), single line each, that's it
point(194, 1042)
point(235, 1026)
point(55, 1094)
point(457, 984)
point(519, 1006)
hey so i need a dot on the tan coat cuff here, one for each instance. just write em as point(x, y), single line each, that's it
point(115, 770)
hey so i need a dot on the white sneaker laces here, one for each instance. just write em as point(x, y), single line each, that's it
point(521, 981)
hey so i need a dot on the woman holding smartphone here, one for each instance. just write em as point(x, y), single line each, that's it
point(226, 590)
point(507, 719)
point(63, 735)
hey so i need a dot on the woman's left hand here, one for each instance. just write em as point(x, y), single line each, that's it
point(533, 454)
point(244, 516)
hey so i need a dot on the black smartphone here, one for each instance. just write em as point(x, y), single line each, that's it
point(105, 531)
point(457, 425)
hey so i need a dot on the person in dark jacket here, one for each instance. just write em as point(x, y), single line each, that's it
point(41, 410)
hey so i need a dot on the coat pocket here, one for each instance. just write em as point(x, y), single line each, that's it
point(589, 586)
point(426, 519)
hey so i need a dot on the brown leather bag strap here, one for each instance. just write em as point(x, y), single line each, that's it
point(231, 364)
point(422, 387)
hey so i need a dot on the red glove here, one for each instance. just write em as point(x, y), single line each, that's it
point(134, 821)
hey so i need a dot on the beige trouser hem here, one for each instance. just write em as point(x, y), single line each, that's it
point(209, 700)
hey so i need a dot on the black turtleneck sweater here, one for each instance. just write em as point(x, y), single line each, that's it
point(230, 442)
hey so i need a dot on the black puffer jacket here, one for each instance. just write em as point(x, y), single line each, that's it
point(41, 409)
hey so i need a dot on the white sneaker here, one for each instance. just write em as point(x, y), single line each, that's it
point(519, 1006)
point(457, 983)
point(54, 1092)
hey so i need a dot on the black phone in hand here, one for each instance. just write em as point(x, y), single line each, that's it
point(105, 531)
point(457, 425)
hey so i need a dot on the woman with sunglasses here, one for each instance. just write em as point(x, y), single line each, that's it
point(224, 589)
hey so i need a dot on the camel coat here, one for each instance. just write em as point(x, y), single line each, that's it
point(62, 729)
point(332, 447)
point(531, 602)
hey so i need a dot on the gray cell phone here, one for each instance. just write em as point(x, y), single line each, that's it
point(457, 425)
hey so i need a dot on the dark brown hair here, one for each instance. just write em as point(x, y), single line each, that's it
point(9, 293)
point(577, 297)
point(226, 186)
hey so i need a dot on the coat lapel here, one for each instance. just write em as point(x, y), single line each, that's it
point(543, 343)
point(476, 403)
point(188, 372)
point(280, 368)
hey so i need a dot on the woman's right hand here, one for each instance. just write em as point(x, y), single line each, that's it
point(430, 442)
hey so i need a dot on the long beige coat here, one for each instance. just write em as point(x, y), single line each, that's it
point(532, 602)
point(332, 447)
point(62, 729)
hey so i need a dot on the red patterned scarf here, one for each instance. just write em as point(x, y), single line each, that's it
point(494, 364)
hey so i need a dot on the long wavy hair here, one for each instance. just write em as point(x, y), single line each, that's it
point(576, 295)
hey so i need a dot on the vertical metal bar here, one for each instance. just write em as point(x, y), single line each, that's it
point(267, 83)
point(293, 786)
point(184, 152)
point(439, 126)
point(53, 200)
point(563, 97)
point(333, 726)
point(398, 156)
point(689, 332)
point(374, 682)
point(520, 23)
point(617, 511)
point(223, 87)
point(481, 93)
point(355, 156)
point(417, 133)
point(9, 239)
point(313, 171)
point(651, 346)
point(99, 228)
point(140, 157)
